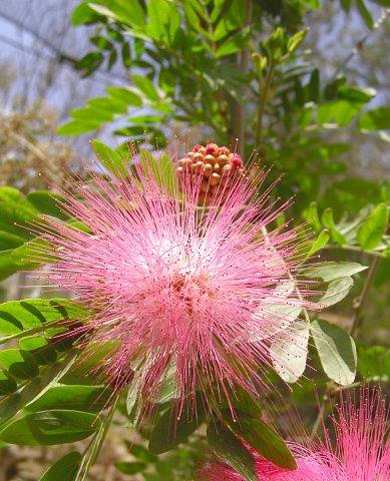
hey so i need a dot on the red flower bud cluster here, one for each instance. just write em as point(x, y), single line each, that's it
point(218, 167)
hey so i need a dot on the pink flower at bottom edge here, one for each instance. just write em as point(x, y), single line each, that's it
point(360, 452)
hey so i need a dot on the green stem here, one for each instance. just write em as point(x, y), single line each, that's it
point(93, 450)
point(352, 249)
point(357, 319)
point(29, 332)
point(237, 109)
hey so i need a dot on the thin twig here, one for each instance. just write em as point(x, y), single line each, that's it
point(360, 43)
point(238, 109)
point(265, 89)
point(357, 318)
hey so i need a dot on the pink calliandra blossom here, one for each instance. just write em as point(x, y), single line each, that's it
point(360, 450)
point(179, 288)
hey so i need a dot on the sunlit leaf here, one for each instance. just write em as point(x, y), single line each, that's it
point(289, 351)
point(336, 291)
point(336, 350)
point(376, 119)
point(331, 270)
point(17, 317)
point(374, 227)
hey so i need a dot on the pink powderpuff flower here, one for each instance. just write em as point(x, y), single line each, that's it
point(360, 451)
point(179, 289)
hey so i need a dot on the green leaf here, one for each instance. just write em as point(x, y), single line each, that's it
point(314, 86)
point(131, 468)
point(94, 355)
point(127, 96)
point(7, 264)
point(245, 403)
point(328, 221)
point(163, 21)
point(169, 431)
point(32, 254)
point(376, 119)
point(17, 317)
point(19, 364)
point(65, 469)
point(162, 169)
point(295, 41)
point(168, 388)
point(374, 363)
point(131, 14)
point(111, 159)
point(231, 450)
point(107, 105)
point(231, 45)
point(83, 14)
point(47, 203)
point(7, 384)
point(356, 95)
point(336, 350)
point(264, 440)
point(289, 351)
point(42, 352)
point(365, 14)
point(49, 428)
point(14, 403)
point(384, 3)
point(16, 213)
point(339, 112)
point(89, 63)
point(9, 241)
point(374, 227)
point(336, 291)
point(331, 270)
point(101, 42)
point(346, 5)
point(146, 86)
point(319, 243)
point(72, 397)
point(310, 214)
point(78, 127)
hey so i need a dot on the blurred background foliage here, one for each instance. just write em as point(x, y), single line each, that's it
point(303, 83)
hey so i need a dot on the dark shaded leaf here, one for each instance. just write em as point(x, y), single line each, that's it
point(47, 203)
point(374, 363)
point(131, 468)
point(231, 450)
point(264, 440)
point(365, 14)
point(49, 428)
point(169, 431)
point(65, 469)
